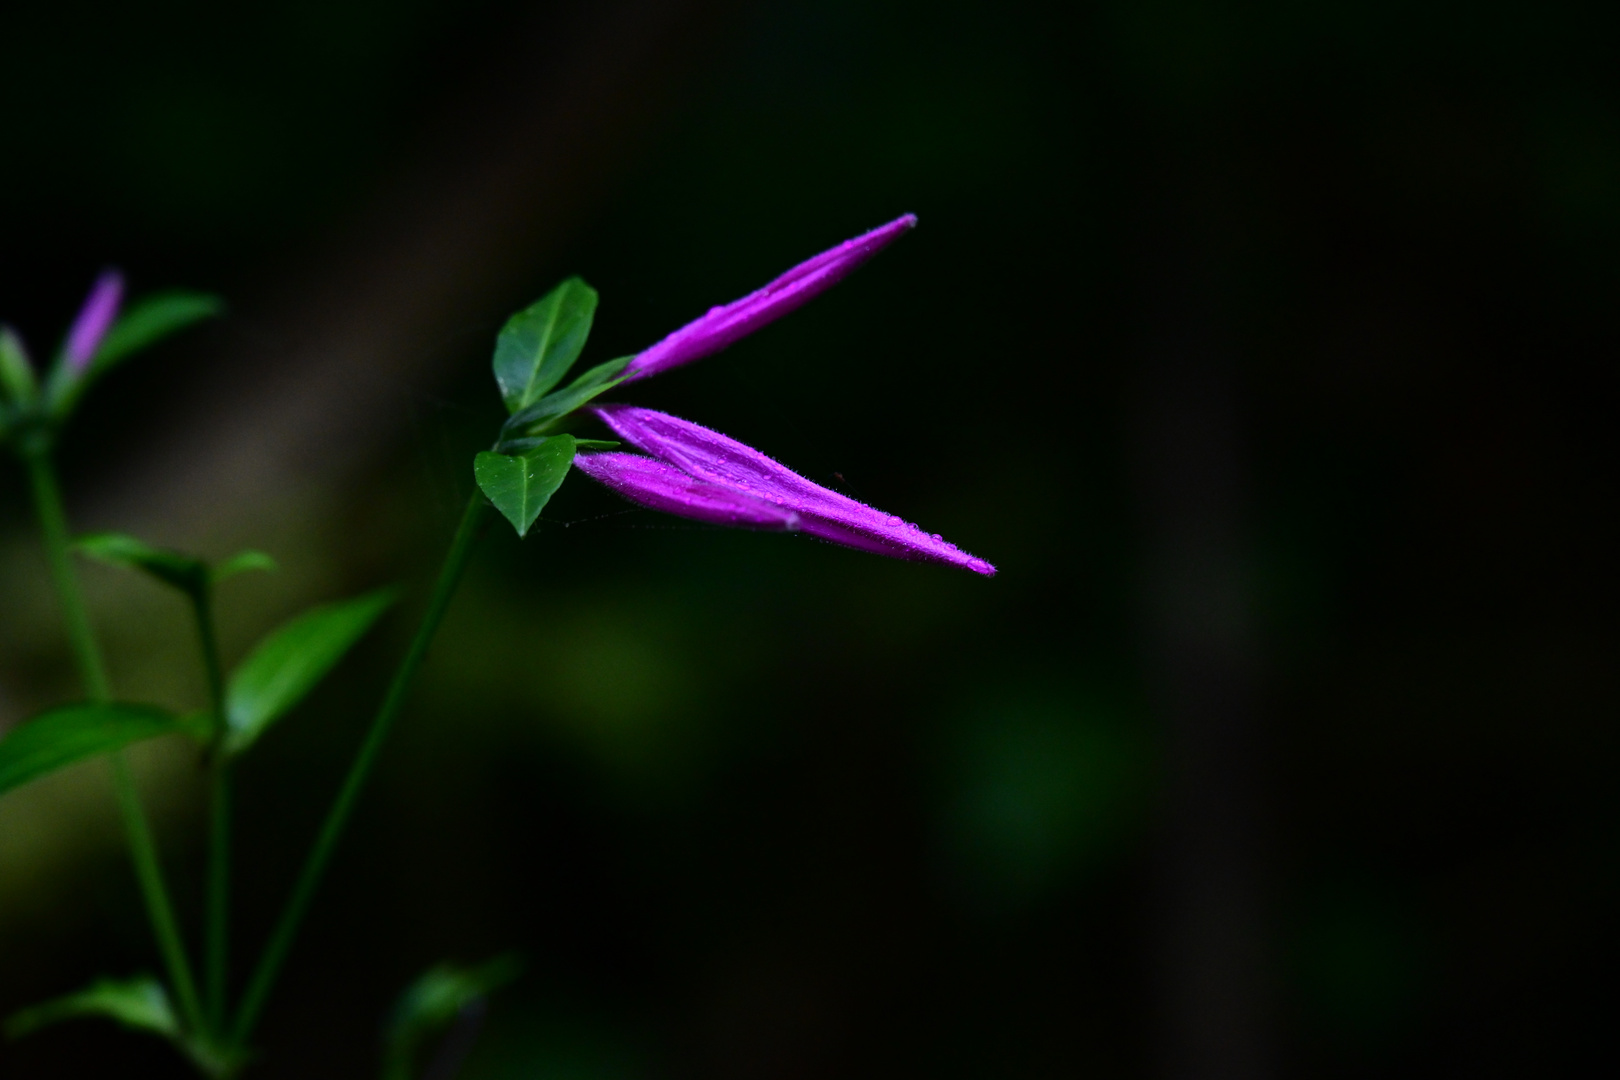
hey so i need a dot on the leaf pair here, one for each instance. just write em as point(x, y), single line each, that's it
point(276, 676)
point(187, 573)
point(287, 664)
point(535, 351)
point(283, 668)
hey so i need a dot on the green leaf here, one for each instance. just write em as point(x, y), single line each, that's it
point(539, 344)
point(241, 563)
point(16, 373)
point(73, 733)
point(553, 407)
point(151, 319)
point(288, 663)
point(520, 486)
point(140, 1003)
point(432, 1003)
point(171, 567)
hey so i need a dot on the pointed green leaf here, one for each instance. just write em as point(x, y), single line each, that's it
point(241, 563)
point(139, 1003)
point(535, 419)
point(73, 733)
point(171, 567)
point(16, 373)
point(540, 343)
point(288, 663)
point(520, 485)
point(432, 1003)
point(151, 319)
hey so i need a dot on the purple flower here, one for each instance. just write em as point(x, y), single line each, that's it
point(697, 473)
point(95, 318)
point(724, 325)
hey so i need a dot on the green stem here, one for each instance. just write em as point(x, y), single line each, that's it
point(219, 882)
point(216, 944)
point(53, 524)
point(281, 939)
point(158, 909)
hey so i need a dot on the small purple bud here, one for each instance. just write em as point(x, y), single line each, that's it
point(95, 319)
point(698, 473)
point(724, 325)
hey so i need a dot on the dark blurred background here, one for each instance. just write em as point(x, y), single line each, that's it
point(1269, 349)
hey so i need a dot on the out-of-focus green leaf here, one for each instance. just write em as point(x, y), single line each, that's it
point(151, 319)
point(17, 380)
point(520, 486)
point(432, 1003)
point(553, 407)
point(241, 563)
point(288, 663)
point(171, 567)
point(139, 1003)
point(539, 344)
point(73, 733)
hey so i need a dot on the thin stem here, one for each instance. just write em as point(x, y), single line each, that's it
point(148, 871)
point(216, 942)
point(281, 939)
point(53, 524)
point(158, 909)
point(219, 886)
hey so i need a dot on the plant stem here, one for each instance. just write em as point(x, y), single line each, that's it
point(53, 524)
point(216, 943)
point(54, 527)
point(158, 909)
point(219, 882)
point(281, 939)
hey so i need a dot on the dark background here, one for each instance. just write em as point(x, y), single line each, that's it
point(1268, 349)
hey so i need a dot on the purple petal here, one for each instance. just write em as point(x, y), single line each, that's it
point(724, 325)
point(95, 318)
point(658, 486)
point(724, 464)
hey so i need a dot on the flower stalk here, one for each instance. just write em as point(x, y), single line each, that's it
point(337, 818)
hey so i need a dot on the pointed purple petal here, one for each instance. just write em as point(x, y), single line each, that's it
point(659, 486)
point(729, 465)
point(95, 318)
point(726, 324)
